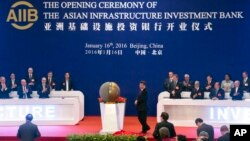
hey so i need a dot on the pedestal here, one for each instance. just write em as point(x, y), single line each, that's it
point(112, 117)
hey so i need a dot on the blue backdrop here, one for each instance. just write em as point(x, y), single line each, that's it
point(225, 49)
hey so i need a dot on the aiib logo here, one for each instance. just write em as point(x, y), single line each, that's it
point(22, 15)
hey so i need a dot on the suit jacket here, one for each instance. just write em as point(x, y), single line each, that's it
point(167, 124)
point(20, 91)
point(209, 84)
point(176, 87)
point(142, 101)
point(188, 87)
point(167, 84)
point(4, 93)
point(239, 92)
point(15, 83)
point(28, 132)
point(28, 80)
point(225, 137)
point(207, 128)
point(64, 85)
point(195, 91)
point(215, 93)
point(245, 85)
point(41, 93)
point(51, 83)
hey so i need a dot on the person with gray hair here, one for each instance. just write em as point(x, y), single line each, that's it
point(236, 92)
point(197, 92)
point(203, 134)
point(187, 85)
point(4, 89)
point(164, 133)
point(24, 91)
point(28, 131)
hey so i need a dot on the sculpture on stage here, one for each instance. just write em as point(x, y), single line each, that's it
point(112, 107)
point(110, 93)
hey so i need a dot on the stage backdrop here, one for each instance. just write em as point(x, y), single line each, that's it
point(124, 41)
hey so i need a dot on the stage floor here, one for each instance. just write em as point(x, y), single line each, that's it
point(92, 125)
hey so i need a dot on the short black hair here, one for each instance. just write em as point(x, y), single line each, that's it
point(210, 75)
point(229, 75)
point(143, 82)
point(29, 117)
point(181, 138)
point(164, 116)
point(198, 120)
point(140, 138)
point(245, 72)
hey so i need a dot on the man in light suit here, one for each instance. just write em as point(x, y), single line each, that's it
point(236, 92)
point(28, 131)
point(24, 91)
point(141, 106)
point(67, 84)
point(217, 93)
point(4, 90)
point(43, 90)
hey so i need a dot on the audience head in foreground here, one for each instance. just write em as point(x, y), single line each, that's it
point(140, 138)
point(28, 131)
point(181, 138)
point(225, 134)
point(164, 123)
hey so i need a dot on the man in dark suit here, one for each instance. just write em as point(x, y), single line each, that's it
point(205, 127)
point(141, 106)
point(245, 82)
point(13, 82)
point(225, 133)
point(197, 92)
point(24, 91)
point(51, 81)
point(217, 93)
point(209, 83)
point(30, 78)
point(4, 90)
point(175, 88)
point(187, 85)
point(67, 84)
point(164, 123)
point(28, 131)
point(168, 82)
point(236, 92)
point(43, 90)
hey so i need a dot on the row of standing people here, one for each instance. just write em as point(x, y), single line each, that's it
point(25, 87)
point(217, 90)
